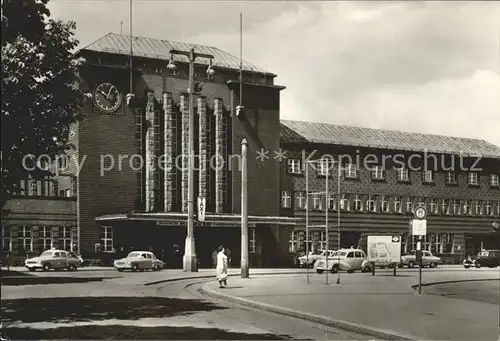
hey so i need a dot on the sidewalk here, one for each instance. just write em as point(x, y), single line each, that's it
point(381, 306)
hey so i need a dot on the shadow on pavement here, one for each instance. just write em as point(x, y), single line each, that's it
point(235, 287)
point(119, 332)
point(43, 280)
point(81, 309)
point(8, 273)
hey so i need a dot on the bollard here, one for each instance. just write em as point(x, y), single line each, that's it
point(373, 268)
point(395, 266)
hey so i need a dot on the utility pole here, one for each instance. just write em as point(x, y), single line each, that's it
point(244, 211)
point(189, 259)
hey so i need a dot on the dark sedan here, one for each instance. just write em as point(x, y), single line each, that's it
point(488, 258)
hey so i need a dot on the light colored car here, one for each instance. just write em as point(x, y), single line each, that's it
point(53, 259)
point(139, 261)
point(428, 259)
point(312, 258)
point(349, 260)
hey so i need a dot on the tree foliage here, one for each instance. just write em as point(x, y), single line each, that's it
point(40, 94)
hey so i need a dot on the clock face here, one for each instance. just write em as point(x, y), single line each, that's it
point(107, 97)
point(420, 212)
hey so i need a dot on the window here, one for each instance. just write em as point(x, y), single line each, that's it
point(33, 188)
point(66, 238)
point(67, 193)
point(22, 188)
point(433, 206)
point(428, 176)
point(478, 208)
point(498, 208)
point(421, 202)
point(371, 204)
point(300, 200)
point(403, 174)
point(294, 166)
point(322, 240)
point(46, 237)
point(494, 181)
point(487, 208)
point(251, 241)
point(25, 239)
point(384, 204)
point(409, 204)
point(445, 209)
point(6, 241)
point(293, 242)
point(344, 202)
point(332, 202)
point(472, 179)
point(350, 254)
point(377, 173)
point(441, 243)
point(358, 203)
point(456, 207)
point(397, 204)
point(325, 167)
point(286, 199)
point(451, 178)
point(351, 171)
point(467, 208)
point(107, 239)
point(316, 202)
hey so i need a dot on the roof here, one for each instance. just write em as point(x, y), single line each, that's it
point(310, 132)
point(160, 49)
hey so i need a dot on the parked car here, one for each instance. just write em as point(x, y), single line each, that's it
point(312, 258)
point(349, 260)
point(80, 258)
point(139, 261)
point(469, 261)
point(428, 259)
point(53, 259)
point(489, 258)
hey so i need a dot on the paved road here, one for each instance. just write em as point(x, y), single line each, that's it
point(121, 307)
point(383, 303)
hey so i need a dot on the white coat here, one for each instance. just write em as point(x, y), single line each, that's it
point(221, 268)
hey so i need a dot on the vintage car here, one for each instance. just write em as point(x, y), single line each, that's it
point(488, 258)
point(312, 258)
point(428, 259)
point(139, 261)
point(53, 259)
point(349, 260)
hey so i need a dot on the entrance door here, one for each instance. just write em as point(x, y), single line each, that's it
point(208, 239)
point(348, 239)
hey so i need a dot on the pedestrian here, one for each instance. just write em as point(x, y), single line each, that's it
point(221, 269)
point(214, 258)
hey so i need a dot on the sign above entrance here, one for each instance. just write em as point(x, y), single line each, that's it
point(418, 227)
point(183, 223)
point(202, 207)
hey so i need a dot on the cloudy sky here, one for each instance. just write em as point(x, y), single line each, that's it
point(413, 66)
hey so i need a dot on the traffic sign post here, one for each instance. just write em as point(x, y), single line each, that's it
point(418, 227)
point(202, 205)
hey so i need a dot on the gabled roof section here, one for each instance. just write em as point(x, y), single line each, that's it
point(300, 132)
point(160, 49)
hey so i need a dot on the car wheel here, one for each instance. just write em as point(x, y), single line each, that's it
point(400, 266)
point(135, 267)
point(432, 265)
point(46, 267)
point(120, 270)
point(411, 264)
point(366, 269)
point(31, 269)
point(335, 269)
point(319, 271)
point(466, 266)
point(477, 265)
point(156, 268)
point(350, 271)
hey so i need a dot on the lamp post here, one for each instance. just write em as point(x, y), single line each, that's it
point(244, 211)
point(189, 260)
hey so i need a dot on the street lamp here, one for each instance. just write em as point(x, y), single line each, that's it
point(189, 260)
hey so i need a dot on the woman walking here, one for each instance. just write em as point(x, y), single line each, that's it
point(221, 268)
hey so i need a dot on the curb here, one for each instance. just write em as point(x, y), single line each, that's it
point(339, 324)
point(179, 279)
point(415, 286)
